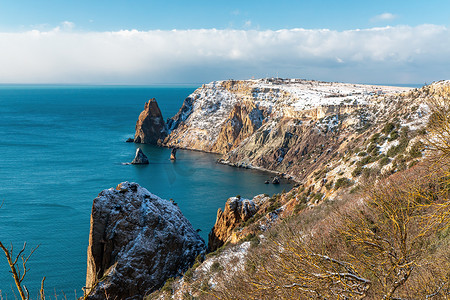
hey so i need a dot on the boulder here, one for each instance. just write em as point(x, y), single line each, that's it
point(130, 140)
point(276, 180)
point(136, 242)
point(140, 158)
point(150, 127)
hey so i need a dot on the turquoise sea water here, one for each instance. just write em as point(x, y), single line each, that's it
point(61, 145)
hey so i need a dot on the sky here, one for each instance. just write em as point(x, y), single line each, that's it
point(198, 41)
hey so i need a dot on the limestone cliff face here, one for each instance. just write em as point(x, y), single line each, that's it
point(287, 146)
point(236, 212)
point(137, 241)
point(280, 125)
point(241, 123)
point(287, 126)
point(150, 127)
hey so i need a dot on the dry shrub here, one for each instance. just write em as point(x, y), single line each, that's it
point(384, 245)
point(439, 125)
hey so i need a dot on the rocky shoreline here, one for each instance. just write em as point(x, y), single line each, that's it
point(286, 127)
point(255, 125)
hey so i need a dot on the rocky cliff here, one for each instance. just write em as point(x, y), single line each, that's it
point(136, 242)
point(236, 212)
point(278, 125)
point(336, 151)
point(150, 127)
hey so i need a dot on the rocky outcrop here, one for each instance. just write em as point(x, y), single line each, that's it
point(150, 127)
point(242, 122)
point(140, 158)
point(288, 146)
point(200, 119)
point(236, 211)
point(137, 241)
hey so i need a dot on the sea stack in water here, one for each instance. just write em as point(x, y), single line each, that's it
point(150, 127)
point(173, 154)
point(136, 242)
point(140, 158)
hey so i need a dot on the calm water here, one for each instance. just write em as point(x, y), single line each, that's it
point(60, 146)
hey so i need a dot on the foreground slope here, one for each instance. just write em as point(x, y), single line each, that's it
point(373, 196)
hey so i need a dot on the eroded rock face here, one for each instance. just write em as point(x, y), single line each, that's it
point(136, 242)
point(150, 127)
point(236, 211)
point(287, 146)
point(241, 123)
point(140, 158)
point(283, 125)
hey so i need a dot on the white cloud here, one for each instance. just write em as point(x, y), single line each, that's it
point(68, 25)
point(383, 17)
point(390, 54)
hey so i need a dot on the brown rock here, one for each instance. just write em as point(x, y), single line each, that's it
point(136, 242)
point(173, 154)
point(140, 158)
point(286, 147)
point(241, 123)
point(236, 211)
point(150, 126)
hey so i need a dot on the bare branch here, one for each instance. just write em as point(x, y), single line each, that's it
point(41, 291)
point(18, 275)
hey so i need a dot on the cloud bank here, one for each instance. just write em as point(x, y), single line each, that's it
point(400, 54)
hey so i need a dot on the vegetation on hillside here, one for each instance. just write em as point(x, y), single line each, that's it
point(390, 239)
point(390, 242)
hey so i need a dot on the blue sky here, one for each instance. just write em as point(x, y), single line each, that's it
point(111, 15)
point(147, 42)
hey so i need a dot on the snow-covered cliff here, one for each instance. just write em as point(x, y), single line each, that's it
point(204, 114)
point(255, 123)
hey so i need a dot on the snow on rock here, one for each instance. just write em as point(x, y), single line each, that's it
point(236, 211)
point(205, 113)
point(137, 241)
point(140, 158)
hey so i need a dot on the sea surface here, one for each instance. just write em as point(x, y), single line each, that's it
point(61, 145)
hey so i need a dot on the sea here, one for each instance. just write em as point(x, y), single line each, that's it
point(60, 146)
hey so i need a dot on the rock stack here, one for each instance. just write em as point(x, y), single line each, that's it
point(236, 211)
point(150, 127)
point(173, 154)
point(140, 158)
